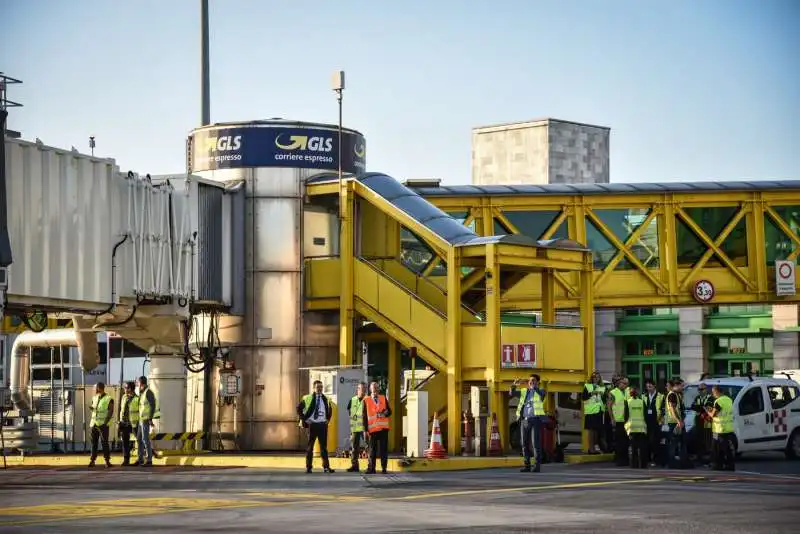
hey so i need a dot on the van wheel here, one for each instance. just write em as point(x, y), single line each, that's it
point(793, 445)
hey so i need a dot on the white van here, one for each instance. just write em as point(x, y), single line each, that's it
point(766, 412)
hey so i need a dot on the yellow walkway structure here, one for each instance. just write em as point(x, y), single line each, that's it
point(368, 279)
point(433, 267)
point(651, 242)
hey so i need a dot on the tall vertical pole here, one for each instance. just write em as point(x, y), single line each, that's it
point(205, 95)
point(339, 100)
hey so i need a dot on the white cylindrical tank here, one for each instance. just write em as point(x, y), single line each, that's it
point(167, 379)
point(274, 158)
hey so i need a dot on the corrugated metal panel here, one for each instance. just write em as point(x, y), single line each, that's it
point(209, 243)
point(237, 251)
point(62, 223)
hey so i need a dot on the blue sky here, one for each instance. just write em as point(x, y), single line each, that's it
point(692, 90)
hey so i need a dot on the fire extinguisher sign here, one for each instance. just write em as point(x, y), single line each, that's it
point(785, 284)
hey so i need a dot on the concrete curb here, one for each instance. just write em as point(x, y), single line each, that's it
point(297, 462)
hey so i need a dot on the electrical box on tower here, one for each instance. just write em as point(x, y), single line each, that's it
point(230, 382)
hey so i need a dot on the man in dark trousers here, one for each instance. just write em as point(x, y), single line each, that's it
point(128, 420)
point(377, 421)
point(102, 412)
point(531, 417)
point(654, 417)
point(355, 408)
point(315, 412)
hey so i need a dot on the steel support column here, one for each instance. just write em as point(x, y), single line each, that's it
point(453, 345)
point(497, 400)
point(347, 255)
point(395, 380)
point(587, 320)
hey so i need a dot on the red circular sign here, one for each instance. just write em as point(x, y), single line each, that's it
point(785, 270)
point(703, 291)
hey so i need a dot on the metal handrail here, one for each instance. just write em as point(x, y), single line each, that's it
point(401, 286)
point(420, 385)
point(420, 277)
point(543, 325)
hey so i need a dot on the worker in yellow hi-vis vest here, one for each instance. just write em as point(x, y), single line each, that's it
point(128, 420)
point(636, 427)
point(148, 411)
point(355, 408)
point(721, 413)
point(102, 412)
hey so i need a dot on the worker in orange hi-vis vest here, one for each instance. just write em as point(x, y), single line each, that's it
point(376, 420)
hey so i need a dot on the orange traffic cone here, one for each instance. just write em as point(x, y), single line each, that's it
point(436, 450)
point(495, 448)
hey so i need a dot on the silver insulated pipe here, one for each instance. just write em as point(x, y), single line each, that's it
point(20, 379)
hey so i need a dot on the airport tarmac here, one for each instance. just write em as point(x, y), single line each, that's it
point(763, 496)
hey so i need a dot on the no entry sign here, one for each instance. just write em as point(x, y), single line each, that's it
point(785, 275)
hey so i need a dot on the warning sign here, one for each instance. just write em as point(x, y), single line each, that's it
point(526, 355)
point(785, 284)
point(508, 356)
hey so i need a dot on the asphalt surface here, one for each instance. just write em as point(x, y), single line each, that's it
point(762, 496)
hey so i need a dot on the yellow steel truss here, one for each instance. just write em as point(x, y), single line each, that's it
point(655, 274)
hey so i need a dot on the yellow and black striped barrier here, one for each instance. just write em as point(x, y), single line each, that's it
point(178, 436)
point(189, 440)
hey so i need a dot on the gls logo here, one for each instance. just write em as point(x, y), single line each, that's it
point(225, 143)
point(303, 142)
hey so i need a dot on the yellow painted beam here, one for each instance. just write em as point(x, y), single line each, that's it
point(395, 381)
point(587, 320)
point(347, 253)
point(491, 362)
point(548, 298)
point(453, 333)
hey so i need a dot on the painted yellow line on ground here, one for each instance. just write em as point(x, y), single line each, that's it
point(318, 496)
point(545, 487)
point(75, 511)
point(64, 512)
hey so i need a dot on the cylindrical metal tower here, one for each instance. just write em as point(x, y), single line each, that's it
point(274, 158)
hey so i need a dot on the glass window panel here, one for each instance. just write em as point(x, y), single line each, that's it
point(623, 223)
point(414, 254)
point(461, 217)
point(665, 348)
point(752, 402)
point(720, 367)
point(778, 245)
point(737, 343)
point(768, 345)
point(690, 247)
point(632, 348)
point(631, 368)
point(676, 368)
point(499, 229)
point(755, 345)
point(735, 245)
point(535, 223)
point(648, 344)
point(601, 247)
point(712, 220)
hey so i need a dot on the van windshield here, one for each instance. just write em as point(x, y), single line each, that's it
point(690, 393)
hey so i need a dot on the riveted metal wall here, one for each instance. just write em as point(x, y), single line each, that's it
point(209, 250)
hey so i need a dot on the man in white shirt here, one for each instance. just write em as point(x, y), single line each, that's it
point(315, 411)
